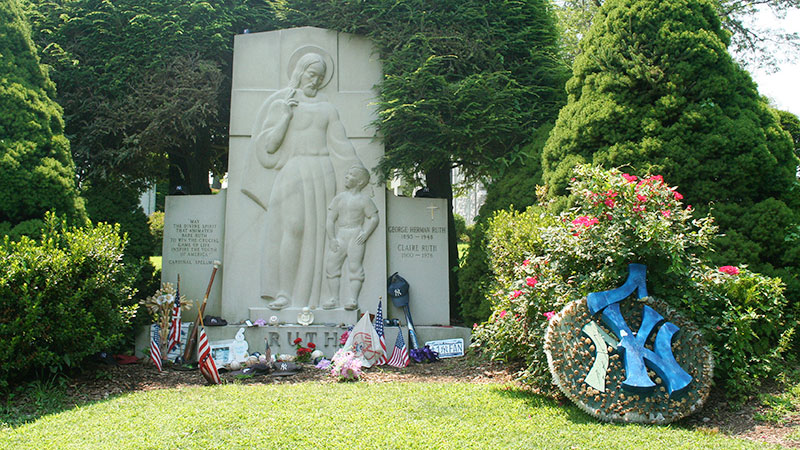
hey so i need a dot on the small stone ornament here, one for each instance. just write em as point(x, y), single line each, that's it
point(273, 320)
point(305, 317)
point(240, 346)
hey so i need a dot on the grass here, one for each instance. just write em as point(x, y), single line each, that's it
point(333, 415)
point(784, 407)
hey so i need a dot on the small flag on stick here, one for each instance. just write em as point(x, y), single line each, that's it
point(207, 366)
point(155, 346)
point(174, 338)
point(399, 356)
point(381, 338)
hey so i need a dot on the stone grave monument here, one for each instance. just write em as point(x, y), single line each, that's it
point(301, 229)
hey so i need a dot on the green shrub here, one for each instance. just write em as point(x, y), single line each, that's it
point(655, 88)
point(620, 219)
point(742, 315)
point(63, 297)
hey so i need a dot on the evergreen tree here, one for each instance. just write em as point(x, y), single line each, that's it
point(516, 190)
point(466, 83)
point(35, 162)
point(145, 85)
point(655, 89)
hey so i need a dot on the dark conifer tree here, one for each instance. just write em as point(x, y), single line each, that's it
point(35, 163)
point(656, 89)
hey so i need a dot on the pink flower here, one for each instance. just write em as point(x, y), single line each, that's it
point(666, 213)
point(658, 178)
point(531, 281)
point(526, 262)
point(474, 325)
point(549, 314)
point(515, 294)
point(641, 198)
point(586, 221)
point(629, 178)
point(730, 270)
point(677, 195)
point(609, 202)
point(689, 207)
point(503, 313)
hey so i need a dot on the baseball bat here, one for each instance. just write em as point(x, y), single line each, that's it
point(412, 333)
point(192, 339)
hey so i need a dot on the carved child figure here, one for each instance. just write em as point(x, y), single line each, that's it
point(352, 217)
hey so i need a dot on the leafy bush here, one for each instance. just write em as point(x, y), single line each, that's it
point(742, 315)
point(63, 297)
point(618, 219)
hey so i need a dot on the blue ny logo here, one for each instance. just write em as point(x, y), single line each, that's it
point(635, 355)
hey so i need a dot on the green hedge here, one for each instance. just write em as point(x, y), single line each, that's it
point(63, 297)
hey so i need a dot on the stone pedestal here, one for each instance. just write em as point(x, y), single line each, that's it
point(289, 316)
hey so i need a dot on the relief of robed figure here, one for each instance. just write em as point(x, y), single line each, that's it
point(296, 136)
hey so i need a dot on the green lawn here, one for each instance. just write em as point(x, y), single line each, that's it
point(334, 415)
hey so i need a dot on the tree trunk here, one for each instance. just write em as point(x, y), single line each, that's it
point(190, 172)
point(440, 185)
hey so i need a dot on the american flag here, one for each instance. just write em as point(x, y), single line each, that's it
point(155, 346)
point(174, 338)
point(207, 366)
point(400, 352)
point(379, 329)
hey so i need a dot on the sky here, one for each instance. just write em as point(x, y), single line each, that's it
point(783, 86)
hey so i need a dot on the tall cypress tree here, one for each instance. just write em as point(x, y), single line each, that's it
point(35, 162)
point(656, 89)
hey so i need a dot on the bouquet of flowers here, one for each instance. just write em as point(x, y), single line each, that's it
point(160, 307)
point(303, 353)
point(345, 366)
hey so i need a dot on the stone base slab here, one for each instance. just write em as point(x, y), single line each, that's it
point(326, 338)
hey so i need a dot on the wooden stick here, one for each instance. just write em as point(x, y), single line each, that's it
point(192, 339)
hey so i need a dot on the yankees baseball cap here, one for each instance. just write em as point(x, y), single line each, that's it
point(285, 368)
point(398, 290)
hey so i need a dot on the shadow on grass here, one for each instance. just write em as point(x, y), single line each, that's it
point(30, 402)
point(573, 414)
point(533, 400)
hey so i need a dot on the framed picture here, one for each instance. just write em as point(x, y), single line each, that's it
point(221, 352)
